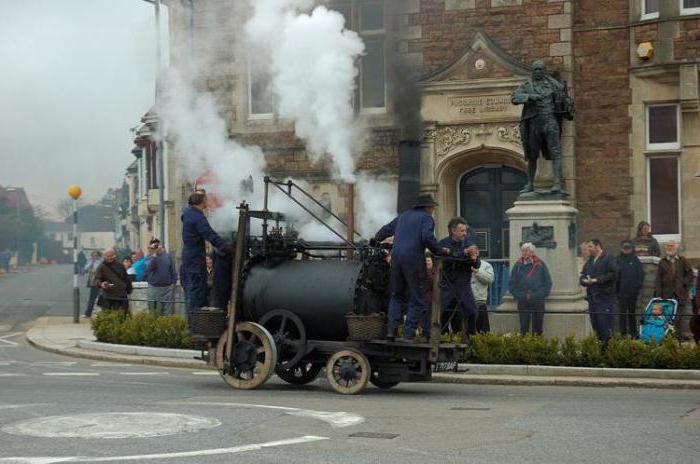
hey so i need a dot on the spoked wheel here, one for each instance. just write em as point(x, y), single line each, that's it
point(348, 372)
point(254, 356)
point(301, 374)
point(289, 334)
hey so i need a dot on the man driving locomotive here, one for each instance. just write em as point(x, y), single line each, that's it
point(413, 232)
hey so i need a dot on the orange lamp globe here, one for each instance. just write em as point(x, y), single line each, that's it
point(74, 191)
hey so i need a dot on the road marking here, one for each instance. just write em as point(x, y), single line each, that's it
point(15, 406)
point(112, 425)
point(71, 374)
point(206, 373)
point(144, 373)
point(8, 343)
point(335, 419)
point(109, 364)
point(12, 375)
point(6, 363)
point(54, 363)
point(183, 454)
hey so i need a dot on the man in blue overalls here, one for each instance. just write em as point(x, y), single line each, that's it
point(457, 274)
point(413, 232)
point(195, 230)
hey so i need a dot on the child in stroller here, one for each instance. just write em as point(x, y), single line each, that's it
point(657, 319)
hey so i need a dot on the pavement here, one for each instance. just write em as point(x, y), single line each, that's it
point(59, 335)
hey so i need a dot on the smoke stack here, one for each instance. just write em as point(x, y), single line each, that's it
point(409, 174)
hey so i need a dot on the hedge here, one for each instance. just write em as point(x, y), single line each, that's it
point(144, 328)
point(620, 352)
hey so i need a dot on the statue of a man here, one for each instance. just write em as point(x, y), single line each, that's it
point(546, 103)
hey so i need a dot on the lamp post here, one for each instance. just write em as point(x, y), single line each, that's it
point(74, 191)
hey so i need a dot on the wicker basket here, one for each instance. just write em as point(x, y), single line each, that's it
point(207, 322)
point(363, 328)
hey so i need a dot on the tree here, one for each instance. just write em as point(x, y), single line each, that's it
point(65, 207)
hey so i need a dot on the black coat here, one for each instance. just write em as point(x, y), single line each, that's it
point(532, 278)
point(630, 275)
point(605, 270)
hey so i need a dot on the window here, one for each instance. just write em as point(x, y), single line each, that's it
point(260, 102)
point(663, 196)
point(663, 127)
point(367, 19)
point(152, 166)
point(690, 6)
point(650, 9)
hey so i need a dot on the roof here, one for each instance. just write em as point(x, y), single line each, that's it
point(94, 218)
point(57, 227)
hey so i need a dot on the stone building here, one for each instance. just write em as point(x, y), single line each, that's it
point(632, 65)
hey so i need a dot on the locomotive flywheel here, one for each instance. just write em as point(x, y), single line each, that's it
point(254, 356)
point(289, 335)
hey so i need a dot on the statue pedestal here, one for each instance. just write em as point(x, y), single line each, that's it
point(550, 223)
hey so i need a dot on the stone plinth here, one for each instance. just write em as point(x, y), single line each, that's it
point(552, 225)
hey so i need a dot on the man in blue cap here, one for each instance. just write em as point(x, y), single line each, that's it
point(195, 231)
point(413, 232)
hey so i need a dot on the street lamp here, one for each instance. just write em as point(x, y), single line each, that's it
point(74, 191)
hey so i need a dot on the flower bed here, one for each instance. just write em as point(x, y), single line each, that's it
point(621, 352)
point(142, 329)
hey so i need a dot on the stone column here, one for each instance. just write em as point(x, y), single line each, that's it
point(554, 222)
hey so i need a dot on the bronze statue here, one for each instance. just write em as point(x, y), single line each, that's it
point(546, 103)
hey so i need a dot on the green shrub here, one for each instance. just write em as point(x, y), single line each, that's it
point(625, 352)
point(590, 353)
point(144, 328)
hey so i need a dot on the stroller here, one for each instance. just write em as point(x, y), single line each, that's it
point(658, 319)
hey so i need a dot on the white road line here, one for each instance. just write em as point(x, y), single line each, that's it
point(335, 419)
point(8, 343)
point(206, 373)
point(12, 375)
point(144, 373)
point(183, 454)
point(6, 363)
point(71, 374)
point(15, 406)
point(54, 363)
point(109, 364)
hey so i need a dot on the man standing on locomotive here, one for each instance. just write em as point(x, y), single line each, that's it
point(457, 274)
point(413, 232)
point(195, 230)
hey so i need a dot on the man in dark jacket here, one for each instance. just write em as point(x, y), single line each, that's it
point(114, 282)
point(629, 283)
point(599, 275)
point(457, 274)
point(161, 278)
point(413, 232)
point(195, 230)
point(530, 284)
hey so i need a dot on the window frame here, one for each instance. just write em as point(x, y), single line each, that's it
point(668, 145)
point(689, 10)
point(256, 116)
point(665, 237)
point(644, 15)
point(355, 25)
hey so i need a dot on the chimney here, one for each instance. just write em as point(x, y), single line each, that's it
point(409, 174)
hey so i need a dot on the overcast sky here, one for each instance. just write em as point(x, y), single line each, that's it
point(76, 75)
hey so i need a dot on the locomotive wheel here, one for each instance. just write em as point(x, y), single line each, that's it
point(289, 335)
point(348, 372)
point(301, 374)
point(254, 356)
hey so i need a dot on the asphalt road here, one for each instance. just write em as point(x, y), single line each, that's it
point(58, 409)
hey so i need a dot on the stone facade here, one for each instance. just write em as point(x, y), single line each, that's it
point(472, 54)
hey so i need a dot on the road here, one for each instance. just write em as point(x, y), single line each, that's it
point(58, 409)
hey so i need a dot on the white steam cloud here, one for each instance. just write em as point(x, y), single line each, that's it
point(312, 61)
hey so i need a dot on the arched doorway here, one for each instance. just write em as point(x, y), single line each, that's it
point(485, 194)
